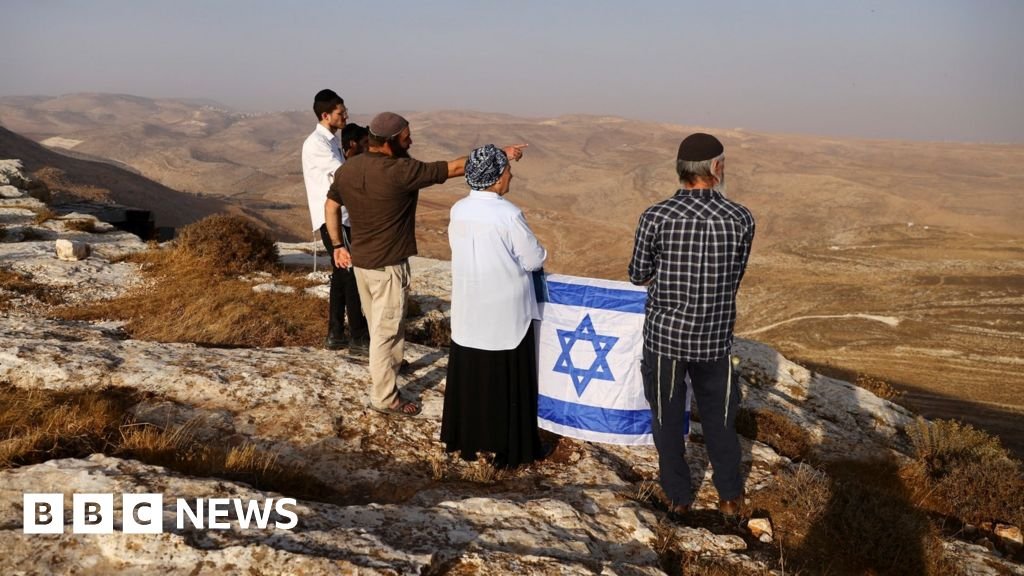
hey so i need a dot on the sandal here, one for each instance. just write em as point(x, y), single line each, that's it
point(406, 408)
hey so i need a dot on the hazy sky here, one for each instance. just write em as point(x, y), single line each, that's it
point(912, 69)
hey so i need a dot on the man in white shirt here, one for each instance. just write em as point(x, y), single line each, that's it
point(321, 157)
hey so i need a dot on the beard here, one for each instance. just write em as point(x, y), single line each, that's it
point(397, 151)
point(720, 185)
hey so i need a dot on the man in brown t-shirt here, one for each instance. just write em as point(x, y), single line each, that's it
point(380, 189)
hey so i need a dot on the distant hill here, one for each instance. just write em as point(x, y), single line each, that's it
point(103, 181)
point(253, 159)
point(585, 179)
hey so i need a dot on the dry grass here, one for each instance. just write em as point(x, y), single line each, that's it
point(646, 491)
point(13, 285)
point(775, 430)
point(39, 190)
point(178, 449)
point(943, 445)
point(703, 565)
point(297, 280)
point(482, 472)
point(193, 299)
point(57, 185)
point(858, 519)
point(81, 225)
point(37, 426)
point(666, 546)
point(878, 387)
point(805, 492)
point(229, 244)
point(967, 473)
point(438, 465)
point(193, 305)
point(435, 331)
point(43, 214)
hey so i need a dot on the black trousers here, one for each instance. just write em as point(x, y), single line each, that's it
point(344, 296)
point(717, 395)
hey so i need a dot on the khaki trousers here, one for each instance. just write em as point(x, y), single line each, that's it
point(383, 293)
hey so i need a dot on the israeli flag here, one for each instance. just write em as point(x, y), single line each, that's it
point(589, 346)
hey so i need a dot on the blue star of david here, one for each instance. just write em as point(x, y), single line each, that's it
point(602, 346)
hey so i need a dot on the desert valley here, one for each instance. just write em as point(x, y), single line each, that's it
point(890, 261)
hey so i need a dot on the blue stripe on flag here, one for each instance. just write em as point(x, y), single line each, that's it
point(596, 297)
point(593, 418)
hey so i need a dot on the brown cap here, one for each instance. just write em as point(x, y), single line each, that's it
point(698, 147)
point(387, 125)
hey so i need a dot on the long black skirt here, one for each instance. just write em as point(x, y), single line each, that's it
point(490, 403)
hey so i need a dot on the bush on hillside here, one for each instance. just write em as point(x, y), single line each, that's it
point(944, 445)
point(878, 387)
point(859, 518)
point(971, 476)
point(232, 244)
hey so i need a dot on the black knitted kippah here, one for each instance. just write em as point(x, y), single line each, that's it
point(699, 147)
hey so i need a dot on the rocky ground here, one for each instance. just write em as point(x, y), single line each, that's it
point(400, 505)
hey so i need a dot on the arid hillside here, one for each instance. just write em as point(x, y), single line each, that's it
point(585, 179)
point(896, 260)
point(99, 181)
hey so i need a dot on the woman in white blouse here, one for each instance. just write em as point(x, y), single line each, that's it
point(490, 401)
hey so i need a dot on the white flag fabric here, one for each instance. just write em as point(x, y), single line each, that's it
point(589, 346)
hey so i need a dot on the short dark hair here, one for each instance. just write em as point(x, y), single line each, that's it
point(353, 133)
point(326, 101)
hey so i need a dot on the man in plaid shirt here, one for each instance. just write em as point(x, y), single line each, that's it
point(691, 251)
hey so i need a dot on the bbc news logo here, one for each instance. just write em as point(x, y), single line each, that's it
point(144, 513)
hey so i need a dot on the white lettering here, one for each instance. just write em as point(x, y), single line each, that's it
point(185, 511)
point(292, 516)
point(43, 513)
point(142, 513)
point(92, 514)
point(219, 509)
point(253, 511)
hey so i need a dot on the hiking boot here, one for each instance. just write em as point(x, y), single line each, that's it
point(678, 512)
point(359, 351)
point(731, 508)
point(335, 342)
